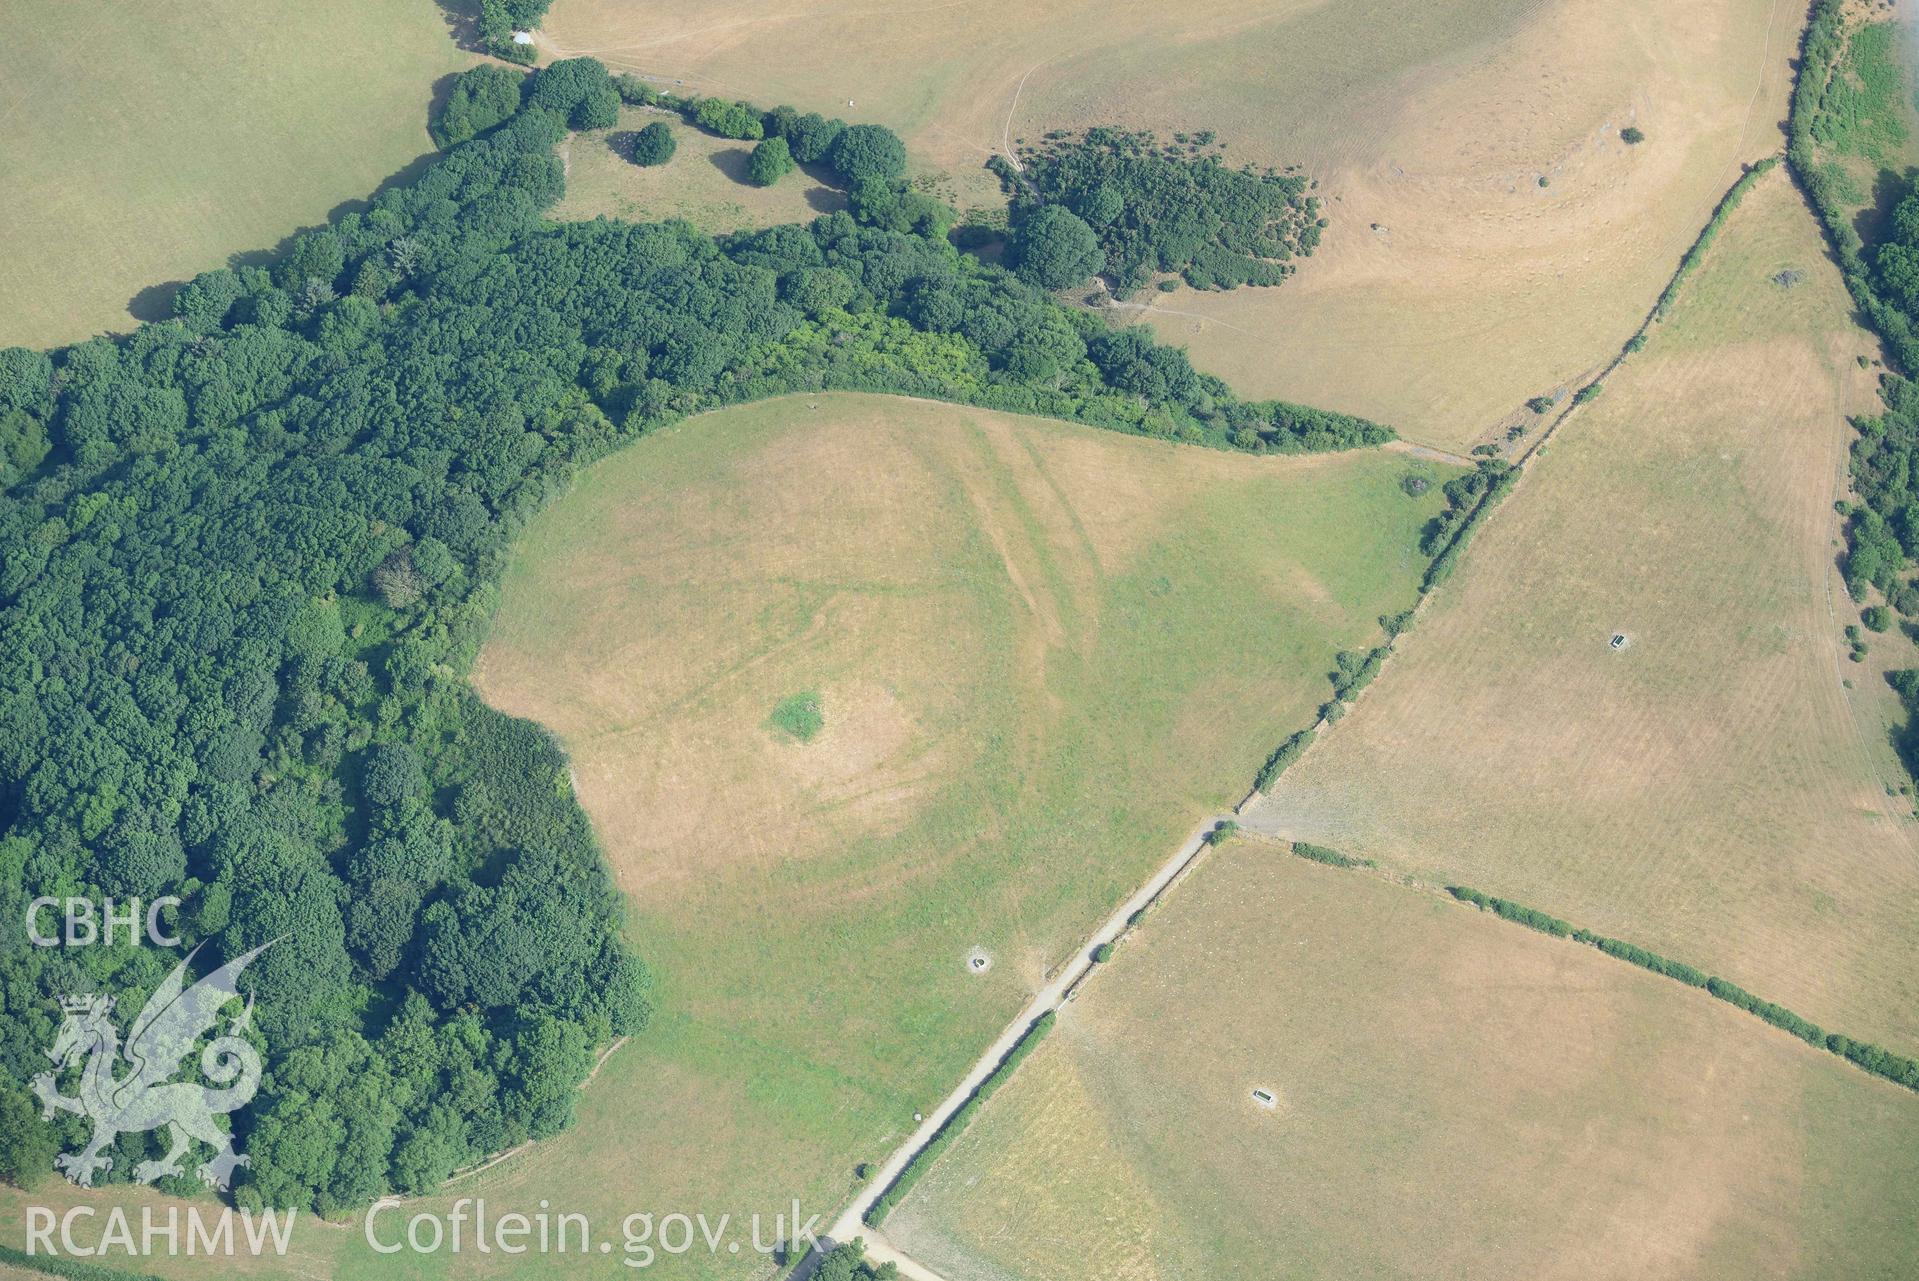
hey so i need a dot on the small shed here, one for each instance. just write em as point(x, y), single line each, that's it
point(522, 37)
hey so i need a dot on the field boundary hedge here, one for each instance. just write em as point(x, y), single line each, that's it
point(1881, 1062)
point(1331, 858)
point(1442, 565)
point(962, 1117)
point(1820, 49)
point(72, 1268)
point(1709, 233)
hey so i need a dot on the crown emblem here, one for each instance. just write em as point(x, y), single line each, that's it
point(85, 1002)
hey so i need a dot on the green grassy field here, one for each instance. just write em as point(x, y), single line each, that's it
point(704, 183)
point(145, 143)
point(1042, 652)
point(1718, 790)
point(1455, 1096)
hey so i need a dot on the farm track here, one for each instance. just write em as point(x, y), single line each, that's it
point(1062, 987)
point(1066, 983)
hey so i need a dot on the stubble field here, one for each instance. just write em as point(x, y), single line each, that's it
point(1455, 1096)
point(1714, 791)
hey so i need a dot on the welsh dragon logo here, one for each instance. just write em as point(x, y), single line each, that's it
point(174, 1019)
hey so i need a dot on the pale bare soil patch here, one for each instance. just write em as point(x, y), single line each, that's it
point(1478, 289)
point(1453, 285)
point(704, 182)
point(1455, 1096)
point(1713, 791)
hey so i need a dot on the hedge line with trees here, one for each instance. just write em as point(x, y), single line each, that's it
point(247, 556)
point(848, 1262)
point(1709, 233)
point(1331, 858)
point(1516, 912)
point(1123, 204)
point(961, 1118)
point(1882, 529)
point(1283, 755)
point(1896, 1068)
point(1469, 500)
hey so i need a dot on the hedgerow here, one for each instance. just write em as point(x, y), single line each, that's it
point(74, 1269)
point(1287, 752)
point(1777, 1015)
point(1516, 912)
point(1354, 671)
point(1470, 499)
point(957, 1123)
point(1332, 858)
point(1880, 1062)
point(1709, 233)
point(1651, 961)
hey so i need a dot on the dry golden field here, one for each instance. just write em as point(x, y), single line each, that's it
point(1455, 1096)
point(1715, 791)
point(1452, 286)
point(1042, 653)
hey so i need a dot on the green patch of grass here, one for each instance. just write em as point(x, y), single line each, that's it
point(799, 716)
point(1863, 112)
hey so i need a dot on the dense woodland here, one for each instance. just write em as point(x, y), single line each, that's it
point(248, 554)
point(1882, 527)
point(1126, 207)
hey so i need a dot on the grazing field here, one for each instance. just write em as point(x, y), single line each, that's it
point(704, 183)
point(145, 143)
point(1040, 653)
point(1714, 791)
point(1452, 285)
point(1454, 1096)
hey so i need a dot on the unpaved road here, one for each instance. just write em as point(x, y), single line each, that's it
point(850, 1222)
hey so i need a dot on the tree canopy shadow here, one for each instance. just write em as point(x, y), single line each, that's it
point(824, 199)
point(732, 162)
point(1874, 221)
point(462, 23)
point(155, 302)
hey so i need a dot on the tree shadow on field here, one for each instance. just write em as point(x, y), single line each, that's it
point(1874, 222)
point(402, 177)
point(824, 196)
point(732, 163)
point(462, 23)
point(437, 100)
point(155, 302)
point(823, 199)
